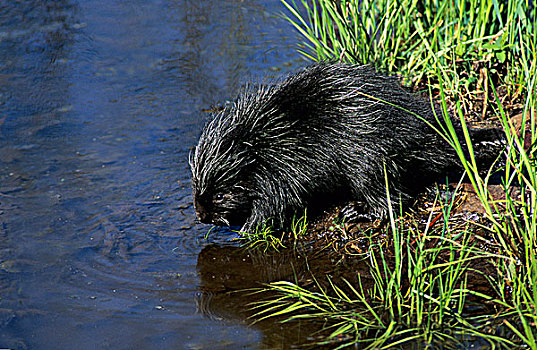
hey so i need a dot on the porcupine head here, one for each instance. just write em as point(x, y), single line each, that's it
point(252, 165)
point(232, 176)
point(220, 187)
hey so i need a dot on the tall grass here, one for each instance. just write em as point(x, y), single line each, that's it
point(513, 220)
point(421, 288)
point(419, 294)
point(465, 40)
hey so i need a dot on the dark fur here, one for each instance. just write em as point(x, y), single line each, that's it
point(323, 136)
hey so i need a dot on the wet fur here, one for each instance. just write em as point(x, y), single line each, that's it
point(325, 135)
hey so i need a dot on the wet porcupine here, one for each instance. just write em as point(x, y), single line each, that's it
point(323, 136)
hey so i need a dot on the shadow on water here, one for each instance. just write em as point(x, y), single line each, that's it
point(100, 104)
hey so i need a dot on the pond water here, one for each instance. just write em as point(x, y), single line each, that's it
point(100, 104)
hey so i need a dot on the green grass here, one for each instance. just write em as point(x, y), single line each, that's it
point(473, 56)
point(265, 238)
point(469, 42)
point(420, 293)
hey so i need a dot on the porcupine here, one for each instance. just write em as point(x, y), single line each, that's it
point(326, 135)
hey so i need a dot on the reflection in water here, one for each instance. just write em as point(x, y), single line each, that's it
point(99, 105)
point(230, 275)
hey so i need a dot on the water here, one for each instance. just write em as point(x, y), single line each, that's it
point(100, 104)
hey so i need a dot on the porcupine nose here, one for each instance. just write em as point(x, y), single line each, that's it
point(202, 214)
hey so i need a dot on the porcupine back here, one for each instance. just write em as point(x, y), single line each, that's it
point(323, 136)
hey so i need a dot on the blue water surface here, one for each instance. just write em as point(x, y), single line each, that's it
point(100, 105)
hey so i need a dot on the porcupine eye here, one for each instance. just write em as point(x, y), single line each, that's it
point(215, 209)
point(220, 204)
point(223, 208)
